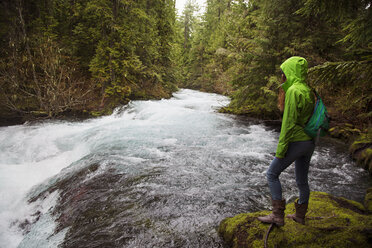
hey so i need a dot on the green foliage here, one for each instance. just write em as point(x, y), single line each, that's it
point(347, 87)
point(118, 46)
point(238, 46)
point(346, 83)
point(123, 49)
point(356, 17)
point(186, 26)
point(204, 66)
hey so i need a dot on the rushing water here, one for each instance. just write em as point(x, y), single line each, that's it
point(153, 174)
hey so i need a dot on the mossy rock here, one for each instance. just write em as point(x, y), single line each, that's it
point(368, 200)
point(101, 113)
point(361, 150)
point(330, 222)
point(254, 111)
point(344, 131)
point(363, 141)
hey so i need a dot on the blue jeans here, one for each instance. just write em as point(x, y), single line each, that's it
point(299, 152)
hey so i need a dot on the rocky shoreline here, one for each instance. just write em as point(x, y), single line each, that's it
point(360, 143)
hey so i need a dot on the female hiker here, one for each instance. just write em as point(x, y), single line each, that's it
point(294, 144)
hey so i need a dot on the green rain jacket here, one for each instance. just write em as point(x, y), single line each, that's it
point(299, 104)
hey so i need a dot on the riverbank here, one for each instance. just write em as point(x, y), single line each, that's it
point(359, 142)
point(330, 222)
point(94, 108)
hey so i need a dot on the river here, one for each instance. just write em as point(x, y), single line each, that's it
point(153, 174)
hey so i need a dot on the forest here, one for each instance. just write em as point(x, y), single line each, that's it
point(84, 58)
point(124, 144)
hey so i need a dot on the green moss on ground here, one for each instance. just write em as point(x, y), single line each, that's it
point(330, 222)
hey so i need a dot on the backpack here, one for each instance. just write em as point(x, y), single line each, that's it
point(318, 124)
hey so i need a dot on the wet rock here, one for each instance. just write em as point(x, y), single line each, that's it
point(361, 151)
point(368, 200)
point(330, 222)
point(344, 131)
point(361, 146)
point(96, 206)
point(92, 209)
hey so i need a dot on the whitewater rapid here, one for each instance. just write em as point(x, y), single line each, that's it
point(154, 173)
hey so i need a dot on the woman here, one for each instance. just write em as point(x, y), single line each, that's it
point(294, 144)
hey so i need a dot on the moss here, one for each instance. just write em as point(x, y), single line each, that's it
point(139, 94)
point(106, 111)
point(361, 150)
point(368, 200)
point(344, 131)
point(361, 142)
point(366, 159)
point(39, 113)
point(251, 110)
point(230, 225)
point(331, 222)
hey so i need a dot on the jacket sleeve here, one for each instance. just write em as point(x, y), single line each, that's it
point(288, 123)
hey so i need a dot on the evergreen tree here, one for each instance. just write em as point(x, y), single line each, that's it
point(186, 27)
point(123, 48)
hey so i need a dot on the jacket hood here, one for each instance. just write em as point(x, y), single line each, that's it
point(295, 70)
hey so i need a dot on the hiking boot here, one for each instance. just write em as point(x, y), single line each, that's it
point(299, 216)
point(277, 215)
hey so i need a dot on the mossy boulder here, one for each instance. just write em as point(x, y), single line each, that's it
point(361, 150)
point(263, 112)
point(330, 222)
point(344, 131)
point(368, 200)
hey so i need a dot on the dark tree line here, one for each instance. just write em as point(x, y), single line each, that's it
point(59, 56)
